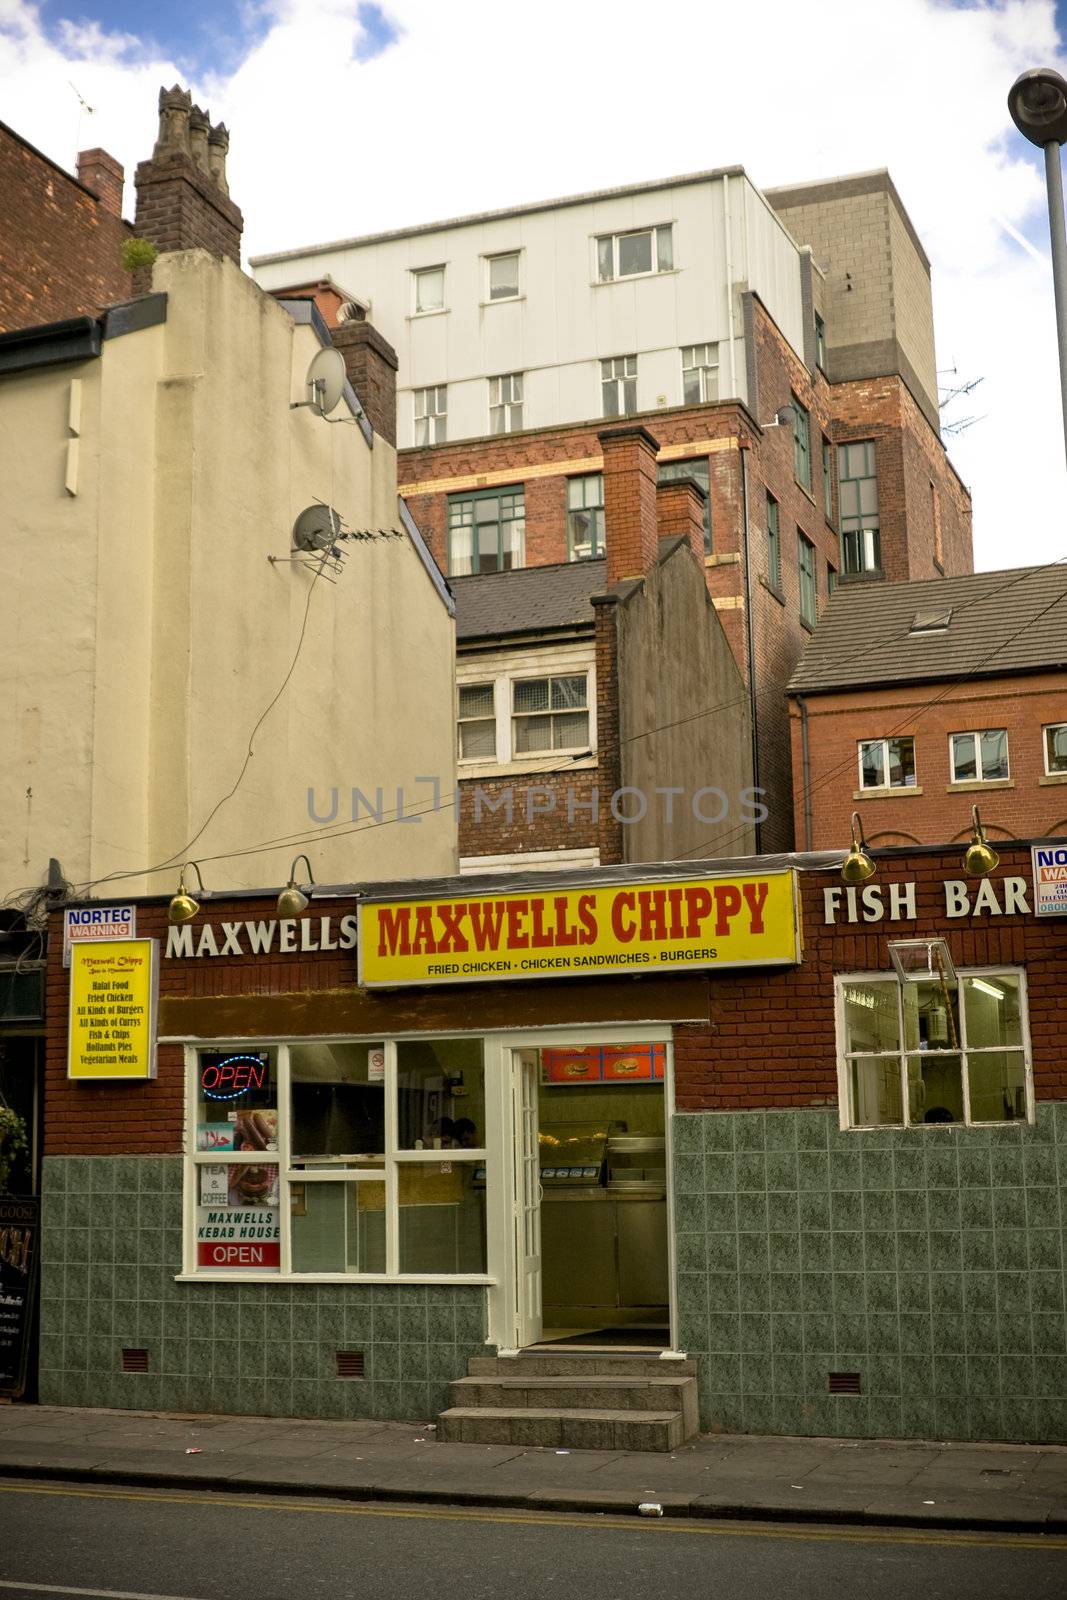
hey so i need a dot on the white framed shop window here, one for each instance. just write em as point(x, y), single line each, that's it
point(338, 1160)
point(946, 1050)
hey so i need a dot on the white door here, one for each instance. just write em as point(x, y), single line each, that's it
point(527, 1197)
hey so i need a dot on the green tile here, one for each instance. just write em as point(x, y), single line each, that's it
point(909, 1169)
point(846, 1209)
point(913, 1252)
point(1007, 1166)
point(884, 1417)
point(699, 1252)
point(946, 1252)
point(721, 1212)
point(787, 1333)
point(813, 1170)
point(754, 1332)
point(918, 1417)
point(814, 1210)
point(1010, 1249)
point(883, 1374)
point(1046, 1292)
point(980, 1291)
point(780, 1130)
point(877, 1169)
point(883, 1291)
point(976, 1208)
point(757, 1374)
point(786, 1291)
point(1039, 1166)
point(811, 1129)
point(693, 1294)
point(752, 1213)
point(915, 1334)
point(722, 1291)
point(949, 1332)
point(1015, 1335)
point(690, 1214)
point(980, 1331)
point(978, 1251)
point(1049, 1377)
point(947, 1291)
point(883, 1332)
point(914, 1291)
point(816, 1254)
point(784, 1252)
point(688, 1173)
point(723, 1330)
point(718, 1129)
point(942, 1167)
point(975, 1166)
point(687, 1133)
point(782, 1170)
point(1043, 1208)
point(1009, 1208)
point(751, 1170)
point(911, 1210)
point(720, 1172)
point(846, 1170)
point(749, 1130)
point(753, 1291)
point(783, 1212)
point(951, 1417)
point(787, 1373)
point(880, 1252)
point(149, 1173)
point(847, 1253)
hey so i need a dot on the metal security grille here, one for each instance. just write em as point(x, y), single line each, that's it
point(135, 1361)
point(844, 1383)
point(350, 1364)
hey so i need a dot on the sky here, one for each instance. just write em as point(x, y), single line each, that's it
point(347, 117)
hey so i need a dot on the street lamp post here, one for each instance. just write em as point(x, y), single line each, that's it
point(1037, 101)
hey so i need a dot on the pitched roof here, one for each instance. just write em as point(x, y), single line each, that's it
point(997, 623)
point(493, 605)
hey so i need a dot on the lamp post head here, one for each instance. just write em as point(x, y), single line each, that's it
point(1037, 101)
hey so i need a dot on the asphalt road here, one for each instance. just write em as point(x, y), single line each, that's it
point(117, 1544)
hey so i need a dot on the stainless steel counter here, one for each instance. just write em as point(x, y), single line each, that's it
point(604, 1249)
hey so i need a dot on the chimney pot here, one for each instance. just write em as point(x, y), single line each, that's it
point(199, 126)
point(175, 106)
point(218, 141)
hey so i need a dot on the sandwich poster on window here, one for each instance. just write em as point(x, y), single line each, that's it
point(238, 1218)
point(113, 991)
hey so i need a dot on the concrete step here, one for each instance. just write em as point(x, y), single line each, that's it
point(572, 1364)
point(569, 1428)
point(642, 1393)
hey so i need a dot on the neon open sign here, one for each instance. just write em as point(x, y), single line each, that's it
point(227, 1080)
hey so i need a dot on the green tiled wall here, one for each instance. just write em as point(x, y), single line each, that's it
point(110, 1246)
point(931, 1261)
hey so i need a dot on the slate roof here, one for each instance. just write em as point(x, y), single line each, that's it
point(495, 605)
point(1001, 623)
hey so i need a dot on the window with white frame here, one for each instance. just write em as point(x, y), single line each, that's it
point(503, 276)
point(505, 403)
point(550, 714)
point(429, 289)
point(634, 255)
point(338, 1159)
point(1055, 744)
point(618, 386)
point(486, 531)
point(887, 763)
point(700, 373)
point(476, 722)
point(431, 414)
point(920, 1054)
point(585, 516)
point(979, 757)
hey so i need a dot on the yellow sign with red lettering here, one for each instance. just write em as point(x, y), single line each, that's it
point(668, 925)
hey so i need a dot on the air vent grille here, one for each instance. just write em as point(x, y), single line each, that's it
point(135, 1360)
point(350, 1364)
point(844, 1383)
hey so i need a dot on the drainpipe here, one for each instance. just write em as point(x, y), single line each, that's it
point(805, 767)
point(729, 254)
point(750, 649)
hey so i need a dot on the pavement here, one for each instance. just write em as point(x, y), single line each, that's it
point(1002, 1487)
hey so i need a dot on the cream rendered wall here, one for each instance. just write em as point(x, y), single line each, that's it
point(151, 631)
point(565, 322)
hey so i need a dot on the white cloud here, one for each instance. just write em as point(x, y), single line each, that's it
point(468, 111)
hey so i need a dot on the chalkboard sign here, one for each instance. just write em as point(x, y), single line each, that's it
point(18, 1278)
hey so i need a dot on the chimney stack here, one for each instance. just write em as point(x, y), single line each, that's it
point(104, 176)
point(371, 364)
point(681, 511)
point(183, 201)
point(631, 524)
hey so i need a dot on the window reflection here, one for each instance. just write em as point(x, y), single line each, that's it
point(338, 1094)
point(440, 1094)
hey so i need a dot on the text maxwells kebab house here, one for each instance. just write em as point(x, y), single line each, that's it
point(678, 914)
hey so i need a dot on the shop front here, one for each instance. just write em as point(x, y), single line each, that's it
point(811, 1136)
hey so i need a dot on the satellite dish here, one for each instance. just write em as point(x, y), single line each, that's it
point(318, 526)
point(326, 381)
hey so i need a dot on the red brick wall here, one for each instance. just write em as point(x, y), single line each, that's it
point(931, 813)
point(491, 833)
point(60, 246)
point(772, 1041)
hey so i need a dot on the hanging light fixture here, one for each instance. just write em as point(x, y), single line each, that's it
point(183, 908)
point(292, 901)
point(980, 857)
point(857, 866)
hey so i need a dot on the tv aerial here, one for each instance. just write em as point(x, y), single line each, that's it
point(325, 382)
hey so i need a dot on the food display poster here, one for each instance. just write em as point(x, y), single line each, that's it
point(19, 1220)
point(238, 1218)
point(242, 1130)
point(113, 990)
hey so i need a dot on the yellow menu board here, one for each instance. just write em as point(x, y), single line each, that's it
point(113, 1009)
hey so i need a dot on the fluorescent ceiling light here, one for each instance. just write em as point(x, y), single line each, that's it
point(988, 988)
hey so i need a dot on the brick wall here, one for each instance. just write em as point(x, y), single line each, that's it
point(371, 364)
point(60, 244)
point(535, 820)
point(772, 1040)
point(1028, 805)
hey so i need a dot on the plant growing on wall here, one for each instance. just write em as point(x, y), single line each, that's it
point(138, 253)
point(12, 1142)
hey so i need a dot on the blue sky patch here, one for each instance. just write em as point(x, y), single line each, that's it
point(199, 35)
point(378, 31)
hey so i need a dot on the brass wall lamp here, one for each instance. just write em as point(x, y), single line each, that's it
point(183, 908)
point(980, 857)
point(293, 900)
point(857, 866)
